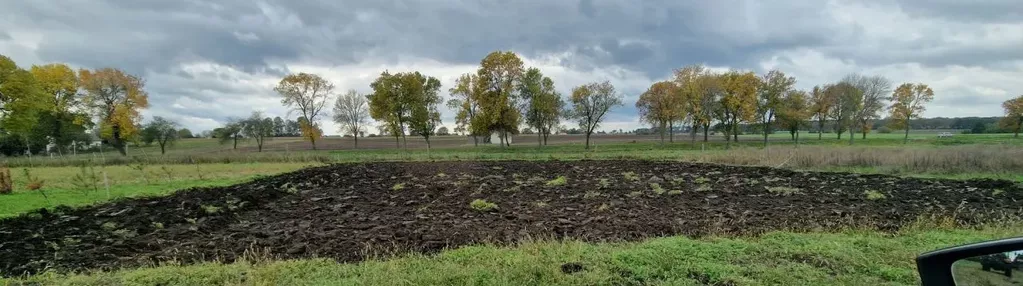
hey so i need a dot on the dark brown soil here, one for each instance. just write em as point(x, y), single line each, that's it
point(350, 211)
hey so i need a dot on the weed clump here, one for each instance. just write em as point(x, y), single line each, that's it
point(559, 181)
point(482, 205)
point(631, 176)
point(874, 195)
point(398, 187)
point(784, 190)
point(657, 189)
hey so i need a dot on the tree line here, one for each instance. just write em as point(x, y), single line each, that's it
point(54, 105)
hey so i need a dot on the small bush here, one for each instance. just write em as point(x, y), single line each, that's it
point(604, 183)
point(874, 195)
point(482, 205)
point(884, 130)
point(398, 187)
point(559, 181)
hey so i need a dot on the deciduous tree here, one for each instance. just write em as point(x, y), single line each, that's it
point(657, 105)
point(739, 101)
point(306, 94)
point(1013, 119)
point(496, 81)
point(21, 102)
point(541, 103)
point(774, 85)
point(162, 131)
point(230, 132)
point(465, 105)
point(820, 107)
point(847, 101)
point(874, 92)
point(908, 102)
point(351, 113)
point(259, 128)
point(425, 100)
point(116, 98)
point(793, 112)
point(590, 103)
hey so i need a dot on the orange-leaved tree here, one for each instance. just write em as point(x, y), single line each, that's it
point(116, 99)
point(908, 103)
point(1013, 119)
point(307, 94)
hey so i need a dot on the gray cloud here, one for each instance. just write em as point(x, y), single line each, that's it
point(647, 38)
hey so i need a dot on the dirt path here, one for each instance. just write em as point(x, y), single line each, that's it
point(348, 211)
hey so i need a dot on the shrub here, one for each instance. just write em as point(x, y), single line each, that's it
point(398, 187)
point(884, 130)
point(482, 205)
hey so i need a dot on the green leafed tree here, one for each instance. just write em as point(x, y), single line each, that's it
point(541, 103)
point(464, 103)
point(231, 132)
point(496, 81)
point(774, 85)
point(21, 101)
point(259, 128)
point(590, 103)
point(162, 131)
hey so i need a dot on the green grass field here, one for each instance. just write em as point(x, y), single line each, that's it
point(853, 257)
point(59, 184)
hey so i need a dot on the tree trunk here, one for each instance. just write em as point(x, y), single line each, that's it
point(671, 131)
point(706, 131)
point(767, 127)
point(692, 133)
point(163, 150)
point(906, 139)
point(312, 139)
point(852, 134)
point(427, 143)
point(661, 132)
point(820, 129)
point(735, 130)
point(539, 137)
point(839, 134)
point(259, 146)
point(588, 139)
point(797, 138)
point(475, 140)
point(117, 142)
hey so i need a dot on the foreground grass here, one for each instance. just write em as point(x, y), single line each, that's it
point(853, 257)
point(61, 188)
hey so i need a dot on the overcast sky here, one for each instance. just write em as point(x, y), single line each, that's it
point(205, 61)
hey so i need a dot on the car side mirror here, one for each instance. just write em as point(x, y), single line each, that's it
point(997, 262)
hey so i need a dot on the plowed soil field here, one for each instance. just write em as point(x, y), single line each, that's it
point(350, 211)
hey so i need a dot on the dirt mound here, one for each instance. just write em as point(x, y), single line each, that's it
point(350, 211)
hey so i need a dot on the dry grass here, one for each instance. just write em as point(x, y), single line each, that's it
point(955, 159)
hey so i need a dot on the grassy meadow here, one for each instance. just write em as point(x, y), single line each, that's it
point(852, 257)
